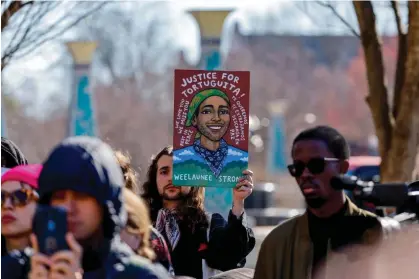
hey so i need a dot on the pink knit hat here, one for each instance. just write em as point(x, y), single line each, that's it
point(28, 174)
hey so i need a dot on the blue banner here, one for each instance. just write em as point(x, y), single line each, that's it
point(277, 157)
point(82, 118)
point(213, 60)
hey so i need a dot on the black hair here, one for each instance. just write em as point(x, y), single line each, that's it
point(11, 156)
point(334, 140)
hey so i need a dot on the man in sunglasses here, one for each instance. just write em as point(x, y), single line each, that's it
point(19, 195)
point(298, 247)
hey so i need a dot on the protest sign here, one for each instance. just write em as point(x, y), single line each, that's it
point(211, 127)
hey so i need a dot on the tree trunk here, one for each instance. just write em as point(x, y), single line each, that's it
point(377, 98)
point(398, 137)
point(13, 8)
point(405, 136)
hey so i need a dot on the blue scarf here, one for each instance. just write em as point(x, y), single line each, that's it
point(215, 158)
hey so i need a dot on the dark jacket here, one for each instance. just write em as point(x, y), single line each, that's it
point(229, 242)
point(288, 251)
point(221, 246)
point(88, 165)
point(160, 248)
point(15, 265)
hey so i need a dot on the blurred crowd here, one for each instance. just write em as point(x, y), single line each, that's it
point(81, 213)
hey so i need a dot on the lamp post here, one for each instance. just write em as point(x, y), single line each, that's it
point(210, 24)
point(82, 115)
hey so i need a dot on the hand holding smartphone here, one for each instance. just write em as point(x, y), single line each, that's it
point(62, 264)
point(50, 228)
point(57, 253)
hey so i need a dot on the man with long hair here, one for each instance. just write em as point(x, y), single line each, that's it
point(200, 243)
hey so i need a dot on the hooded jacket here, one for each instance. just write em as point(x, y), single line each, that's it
point(88, 165)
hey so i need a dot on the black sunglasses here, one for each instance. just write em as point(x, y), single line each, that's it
point(19, 198)
point(314, 165)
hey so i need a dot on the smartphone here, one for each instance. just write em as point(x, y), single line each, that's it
point(50, 228)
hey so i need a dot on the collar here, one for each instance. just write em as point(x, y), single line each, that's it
point(350, 210)
point(334, 217)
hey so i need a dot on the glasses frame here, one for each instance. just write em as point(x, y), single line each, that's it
point(292, 171)
point(31, 194)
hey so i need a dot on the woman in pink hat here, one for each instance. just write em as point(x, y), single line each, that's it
point(18, 203)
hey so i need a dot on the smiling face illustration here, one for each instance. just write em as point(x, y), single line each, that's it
point(212, 118)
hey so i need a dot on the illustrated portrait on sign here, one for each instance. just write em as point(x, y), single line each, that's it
point(211, 122)
point(209, 114)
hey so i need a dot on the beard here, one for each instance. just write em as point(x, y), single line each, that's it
point(179, 196)
point(316, 202)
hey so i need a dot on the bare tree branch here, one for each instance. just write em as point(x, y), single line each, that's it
point(401, 60)
point(12, 9)
point(55, 34)
point(341, 18)
point(395, 7)
point(37, 36)
point(15, 35)
point(27, 38)
point(42, 14)
point(14, 46)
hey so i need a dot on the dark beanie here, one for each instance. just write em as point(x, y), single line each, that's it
point(86, 165)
